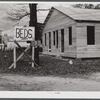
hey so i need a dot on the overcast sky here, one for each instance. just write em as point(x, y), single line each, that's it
point(4, 7)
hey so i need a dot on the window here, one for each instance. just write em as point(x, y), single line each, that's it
point(56, 38)
point(90, 35)
point(0, 39)
point(62, 40)
point(53, 37)
point(70, 35)
point(45, 40)
point(49, 40)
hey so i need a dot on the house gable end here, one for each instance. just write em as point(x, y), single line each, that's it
point(56, 18)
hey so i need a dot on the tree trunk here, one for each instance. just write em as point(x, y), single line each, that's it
point(33, 23)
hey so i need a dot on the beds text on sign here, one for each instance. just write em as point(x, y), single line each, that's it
point(24, 33)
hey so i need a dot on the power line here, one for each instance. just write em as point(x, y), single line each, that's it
point(43, 9)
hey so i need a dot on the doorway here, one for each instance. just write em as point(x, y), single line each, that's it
point(62, 40)
point(49, 41)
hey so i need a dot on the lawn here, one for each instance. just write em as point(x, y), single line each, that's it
point(49, 65)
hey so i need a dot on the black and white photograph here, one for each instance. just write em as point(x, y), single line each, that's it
point(50, 46)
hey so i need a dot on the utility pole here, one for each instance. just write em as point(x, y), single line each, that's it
point(33, 23)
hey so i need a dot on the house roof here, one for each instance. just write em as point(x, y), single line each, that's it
point(78, 14)
point(81, 14)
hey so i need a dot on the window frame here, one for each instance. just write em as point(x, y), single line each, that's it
point(49, 40)
point(45, 39)
point(57, 39)
point(54, 40)
point(70, 35)
point(90, 35)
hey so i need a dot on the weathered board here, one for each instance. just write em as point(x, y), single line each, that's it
point(84, 50)
point(58, 21)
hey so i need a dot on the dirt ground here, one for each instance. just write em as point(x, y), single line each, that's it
point(15, 82)
point(54, 74)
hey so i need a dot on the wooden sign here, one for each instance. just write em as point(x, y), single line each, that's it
point(24, 33)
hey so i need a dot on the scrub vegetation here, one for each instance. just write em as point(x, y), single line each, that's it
point(49, 65)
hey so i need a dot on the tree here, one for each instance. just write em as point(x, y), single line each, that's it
point(17, 12)
point(97, 6)
point(33, 23)
point(20, 11)
point(78, 5)
point(86, 6)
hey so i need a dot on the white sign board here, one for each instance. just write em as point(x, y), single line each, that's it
point(24, 33)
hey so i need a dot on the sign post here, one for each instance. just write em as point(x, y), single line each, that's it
point(19, 57)
point(32, 53)
point(14, 57)
point(24, 34)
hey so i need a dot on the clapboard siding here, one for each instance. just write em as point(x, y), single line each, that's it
point(70, 50)
point(58, 21)
point(89, 24)
point(84, 50)
point(97, 36)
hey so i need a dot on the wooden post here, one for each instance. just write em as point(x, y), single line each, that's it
point(14, 57)
point(30, 58)
point(32, 54)
point(19, 57)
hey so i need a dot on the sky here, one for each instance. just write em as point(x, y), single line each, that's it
point(41, 15)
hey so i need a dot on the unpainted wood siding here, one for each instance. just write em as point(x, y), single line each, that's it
point(84, 50)
point(58, 21)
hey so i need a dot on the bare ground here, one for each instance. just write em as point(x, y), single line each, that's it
point(15, 82)
point(55, 74)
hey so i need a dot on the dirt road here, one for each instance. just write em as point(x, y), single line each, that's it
point(15, 82)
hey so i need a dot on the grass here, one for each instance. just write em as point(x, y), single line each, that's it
point(49, 65)
point(53, 66)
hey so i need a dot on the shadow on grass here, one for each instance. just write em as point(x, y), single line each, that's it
point(49, 66)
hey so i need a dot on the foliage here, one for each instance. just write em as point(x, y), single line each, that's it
point(87, 6)
point(17, 12)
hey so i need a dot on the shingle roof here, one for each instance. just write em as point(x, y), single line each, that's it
point(80, 14)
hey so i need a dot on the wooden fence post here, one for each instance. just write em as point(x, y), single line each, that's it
point(14, 57)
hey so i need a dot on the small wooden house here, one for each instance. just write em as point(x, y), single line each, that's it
point(72, 32)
